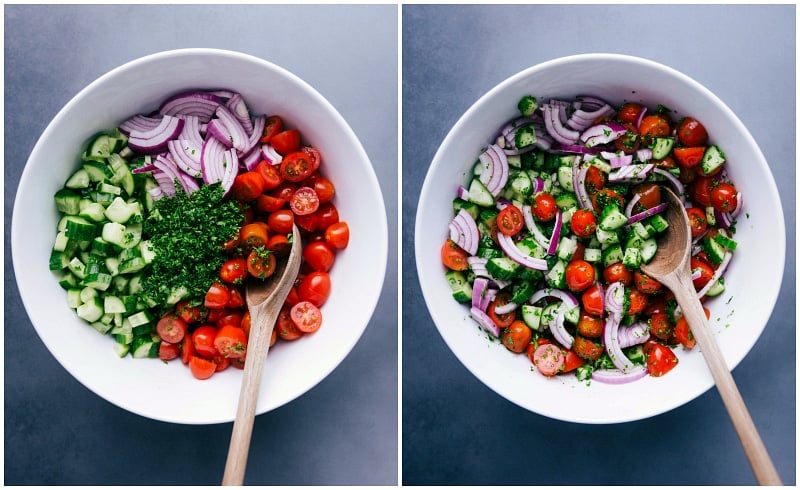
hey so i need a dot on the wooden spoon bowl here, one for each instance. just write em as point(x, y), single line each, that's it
point(671, 266)
point(264, 301)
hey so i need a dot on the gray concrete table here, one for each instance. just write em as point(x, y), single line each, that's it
point(458, 431)
point(343, 431)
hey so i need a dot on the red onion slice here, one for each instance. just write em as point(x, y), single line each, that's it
point(485, 322)
point(186, 156)
point(515, 254)
point(238, 136)
point(462, 193)
point(738, 208)
point(631, 204)
point(270, 154)
point(551, 249)
point(611, 341)
point(644, 154)
point(191, 131)
point(465, 232)
point(657, 209)
point(616, 377)
point(530, 223)
point(155, 140)
point(495, 171)
point(211, 156)
point(615, 298)
point(506, 308)
point(479, 287)
point(238, 108)
point(566, 297)
point(618, 161)
point(631, 173)
point(491, 295)
point(258, 130)
point(573, 149)
point(252, 158)
point(230, 168)
point(600, 134)
point(723, 266)
point(194, 103)
point(139, 123)
point(676, 184)
point(559, 331)
point(556, 129)
point(636, 334)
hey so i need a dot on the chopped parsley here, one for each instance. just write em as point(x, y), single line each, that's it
point(187, 232)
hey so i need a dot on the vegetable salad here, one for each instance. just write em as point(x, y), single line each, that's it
point(559, 214)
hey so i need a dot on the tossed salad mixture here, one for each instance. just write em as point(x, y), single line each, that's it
point(169, 216)
point(559, 214)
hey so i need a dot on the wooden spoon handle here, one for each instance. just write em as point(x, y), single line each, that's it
point(760, 461)
point(239, 449)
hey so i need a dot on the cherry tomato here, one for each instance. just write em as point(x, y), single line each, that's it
point(217, 296)
point(617, 272)
point(700, 267)
point(284, 191)
point(286, 328)
point(595, 179)
point(630, 112)
point(221, 362)
point(655, 125)
point(548, 359)
point(261, 264)
point(281, 221)
point(315, 287)
point(544, 207)
point(583, 223)
point(689, 157)
point(234, 319)
point(698, 223)
point(502, 320)
point(304, 201)
point(327, 215)
point(231, 342)
point(187, 349)
point(203, 341)
point(286, 142)
point(691, 132)
point(237, 299)
point(167, 351)
point(171, 328)
point(510, 220)
point(603, 197)
point(296, 166)
point(272, 126)
point(319, 256)
point(254, 235)
point(202, 368)
point(316, 157)
point(724, 197)
point(637, 302)
point(572, 361)
point(279, 245)
point(233, 271)
point(593, 301)
point(247, 186)
point(270, 174)
point(657, 303)
point(306, 317)
point(188, 312)
point(660, 358)
point(687, 175)
point(516, 336)
point(587, 348)
point(308, 222)
point(325, 189)
point(580, 275)
point(683, 332)
point(590, 326)
point(660, 326)
point(649, 195)
point(646, 284)
point(628, 142)
point(216, 314)
point(293, 298)
point(701, 190)
point(337, 235)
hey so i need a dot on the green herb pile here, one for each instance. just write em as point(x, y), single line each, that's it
point(187, 233)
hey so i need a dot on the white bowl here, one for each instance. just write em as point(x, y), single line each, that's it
point(753, 279)
point(168, 392)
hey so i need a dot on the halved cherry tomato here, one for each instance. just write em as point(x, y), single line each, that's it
point(316, 157)
point(308, 222)
point(233, 319)
point(628, 142)
point(654, 125)
point(544, 207)
point(579, 275)
point(248, 186)
point(217, 296)
point(203, 341)
point(304, 201)
point(502, 320)
point(221, 362)
point(281, 221)
point(261, 264)
point(704, 270)
point(587, 349)
point(284, 191)
point(724, 197)
point(306, 317)
point(592, 300)
point(516, 336)
point(630, 112)
point(325, 189)
point(286, 328)
point(510, 220)
point(590, 326)
point(279, 245)
point(202, 368)
point(691, 132)
point(171, 328)
point(603, 197)
point(167, 351)
point(286, 142)
point(327, 215)
point(649, 195)
point(233, 271)
point(617, 272)
point(698, 222)
point(645, 283)
point(595, 179)
point(337, 235)
point(270, 174)
point(187, 349)
point(254, 235)
point(660, 358)
point(701, 190)
point(583, 223)
point(689, 156)
point(272, 126)
point(683, 333)
point(637, 302)
point(454, 257)
point(319, 256)
point(231, 341)
point(548, 359)
point(296, 166)
point(660, 326)
point(188, 312)
point(315, 287)
point(269, 204)
point(572, 361)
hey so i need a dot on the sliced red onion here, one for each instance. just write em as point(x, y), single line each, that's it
point(618, 161)
point(530, 223)
point(485, 322)
point(222, 93)
point(580, 189)
point(515, 254)
point(615, 298)
point(211, 160)
point(538, 185)
point(616, 376)
point(726, 259)
point(270, 154)
point(255, 136)
point(636, 334)
point(631, 204)
point(724, 219)
point(600, 134)
point(230, 168)
point(573, 149)
point(644, 154)
point(506, 308)
point(186, 156)
point(569, 300)
point(559, 331)
point(165, 183)
point(641, 116)
point(464, 232)
point(156, 192)
point(676, 184)
point(155, 140)
point(551, 249)
point(738, 208)
point(495, 169)
point(194, 103)
point(696, 274)
point(191, 131)
point(556, 129)
point(591, 102)
point(611, 341)
point(462, 193)
point(479, 287)
point(218, 130)
point(637, 172)
point(659, 208)
point(502, 203)
point(144, 168)
point(543, 139)
point(140, 123)
point(252, 158)
point(238, 136)
point(238, 108)
point(491, 295)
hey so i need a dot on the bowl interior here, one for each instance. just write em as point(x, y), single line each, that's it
point(752, 281)
point(167, 391)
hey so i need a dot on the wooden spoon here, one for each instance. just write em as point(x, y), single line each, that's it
point(671, 267)
point(264, 300)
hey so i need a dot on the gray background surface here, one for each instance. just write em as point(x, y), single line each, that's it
point(458, 431)
point(343, 431)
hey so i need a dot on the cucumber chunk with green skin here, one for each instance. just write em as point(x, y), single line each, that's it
point(713, 159)
point(461, 288)
point(502, 268)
